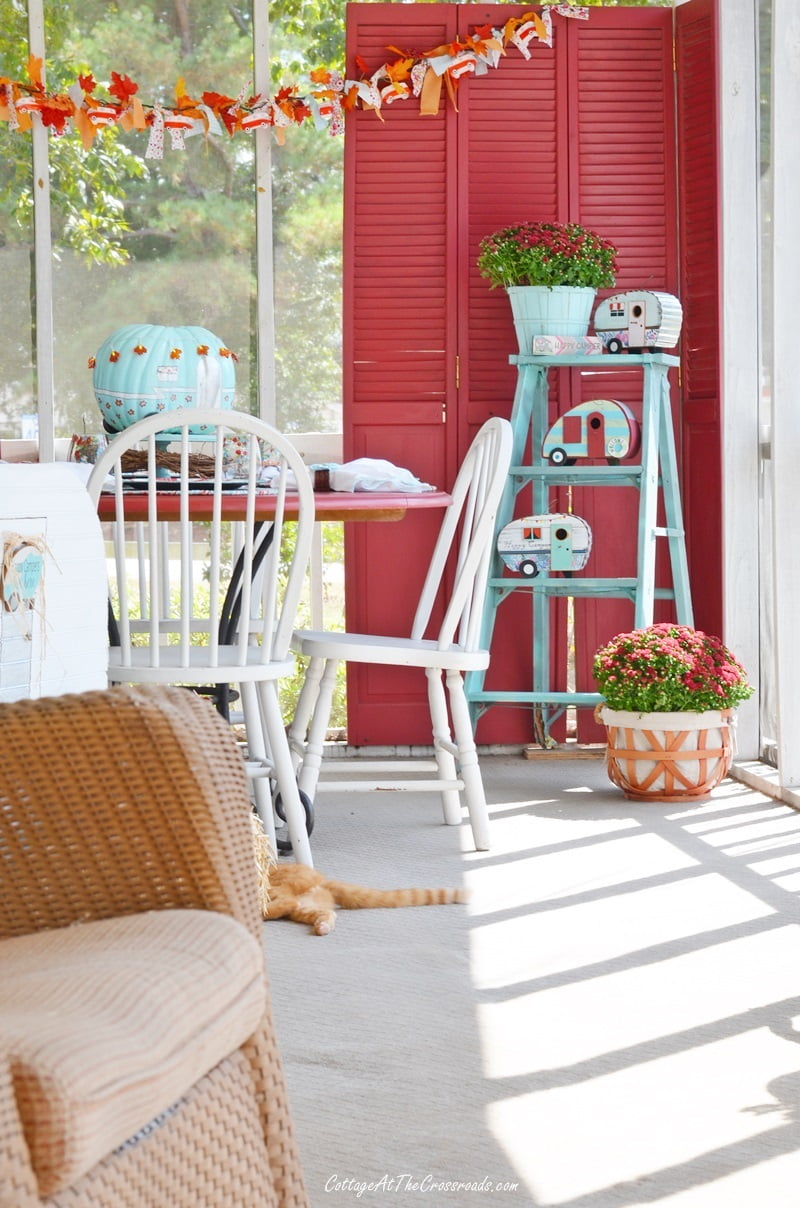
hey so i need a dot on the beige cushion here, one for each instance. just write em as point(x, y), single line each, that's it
point(106, 1024)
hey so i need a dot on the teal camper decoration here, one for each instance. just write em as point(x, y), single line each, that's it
point(145, 368)
point(552, 541)
point(599, 428)
point(641, 320)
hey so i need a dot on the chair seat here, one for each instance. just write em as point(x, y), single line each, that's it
point(389, 651)
point(173, 669)
point(107, 1024)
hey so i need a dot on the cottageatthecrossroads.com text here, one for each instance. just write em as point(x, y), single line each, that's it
point(393, 1184)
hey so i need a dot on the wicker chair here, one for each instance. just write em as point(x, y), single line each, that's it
point(138, 1063)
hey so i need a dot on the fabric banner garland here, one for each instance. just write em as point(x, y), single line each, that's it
point(84, 110)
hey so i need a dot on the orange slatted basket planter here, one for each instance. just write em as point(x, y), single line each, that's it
point(667, 756)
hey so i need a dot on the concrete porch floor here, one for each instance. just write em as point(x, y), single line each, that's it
point(614, 1019)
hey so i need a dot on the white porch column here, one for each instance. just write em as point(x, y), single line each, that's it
point(740, 368)
point(265, 305)
point(43, 254)
point(785, 377)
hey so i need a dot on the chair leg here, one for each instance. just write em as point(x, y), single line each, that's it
point(322, 683)
point(468, 761)
point(278, 745)
point(258, 753)
point(442, 741)
point(304, 710)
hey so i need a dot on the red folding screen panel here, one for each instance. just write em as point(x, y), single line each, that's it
point(701, 424)
point(583, 132)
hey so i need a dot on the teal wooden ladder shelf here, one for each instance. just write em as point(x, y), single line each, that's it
point(656, 470)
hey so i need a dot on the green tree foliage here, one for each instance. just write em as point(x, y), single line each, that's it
point(172, 240)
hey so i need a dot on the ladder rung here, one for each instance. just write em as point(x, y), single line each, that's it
point(622, 588)
point(581, 475)
point(537, 698)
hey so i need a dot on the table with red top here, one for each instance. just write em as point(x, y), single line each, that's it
point(329, 505)
point(344, 506)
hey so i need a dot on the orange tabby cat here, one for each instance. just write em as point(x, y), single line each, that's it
point(306, 896)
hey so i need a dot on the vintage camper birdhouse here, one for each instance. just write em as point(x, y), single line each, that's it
point(145, 368)
point(641, 320)
point(598, 429)
point(552, 541)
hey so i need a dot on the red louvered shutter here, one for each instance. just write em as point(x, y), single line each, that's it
point(701, 444)
point(583, 132)
point(511, 124)
point(399, 340)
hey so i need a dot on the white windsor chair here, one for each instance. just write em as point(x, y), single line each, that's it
point(163, 637)
point(444, 653)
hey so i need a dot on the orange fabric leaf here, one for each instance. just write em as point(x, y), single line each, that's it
point(399, 70)
point(122, 86)
point(55, 111)
point(35, 70)
point(216, 100)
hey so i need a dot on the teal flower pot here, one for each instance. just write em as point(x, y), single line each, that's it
point(538, 310)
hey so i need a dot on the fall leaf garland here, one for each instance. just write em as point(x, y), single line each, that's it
point(84, 108)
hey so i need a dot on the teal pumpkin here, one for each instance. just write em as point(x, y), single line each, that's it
point(145, 368)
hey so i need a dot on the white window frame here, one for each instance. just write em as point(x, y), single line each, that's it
point(739, 90)
point(43, 244)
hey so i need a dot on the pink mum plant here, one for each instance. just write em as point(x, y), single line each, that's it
point(669, 669)
point(547, 253)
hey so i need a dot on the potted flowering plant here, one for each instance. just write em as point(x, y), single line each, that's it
point(669, 694)
point(551, 272)
point(549, 254)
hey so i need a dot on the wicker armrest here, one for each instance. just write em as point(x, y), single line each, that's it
point(118, 801)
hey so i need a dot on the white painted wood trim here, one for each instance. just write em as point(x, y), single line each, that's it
point(740, 359)
point(43, 253)
point(265, 304)
point(786, 409)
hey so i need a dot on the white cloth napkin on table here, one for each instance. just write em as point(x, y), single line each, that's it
point(375, 474)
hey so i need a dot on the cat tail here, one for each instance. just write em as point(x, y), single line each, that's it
point(354, 897)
